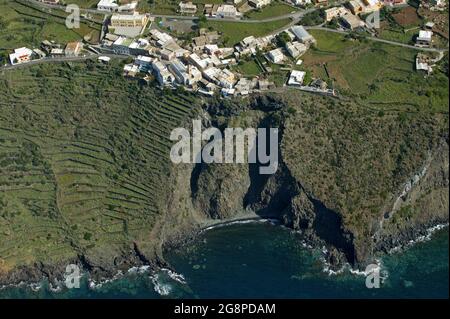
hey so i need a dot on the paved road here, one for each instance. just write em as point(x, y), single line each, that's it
point(381, 40)
point(61, 59)
point(293, 15)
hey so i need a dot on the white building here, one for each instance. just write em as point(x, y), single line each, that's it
point(259, 3)
point(187, 7)
point(423, 63)
point(144, 62)
point(424, 38)
point(302, 35)
point(108, 5)
point(296, 49)
point(335, 13)
point(20, 55)
point(104, 59)
point(128, 7)
point(129, 20)
point(301, 2)
point(352, 21)
point(276, 55)
point(248, 42)
point(224, 78)
point(130, 70)
point(296, 78)
point(198, 62)
point(163, 76)
point(121, 45)
point(186, 75)
point(162, 39)
point(227, 11)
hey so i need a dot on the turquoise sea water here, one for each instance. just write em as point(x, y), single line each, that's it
point(260, 260)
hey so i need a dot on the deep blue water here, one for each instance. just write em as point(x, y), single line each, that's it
point(260, 260)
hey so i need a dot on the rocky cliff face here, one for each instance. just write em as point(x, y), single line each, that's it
point(343, 176)
point(354, 180)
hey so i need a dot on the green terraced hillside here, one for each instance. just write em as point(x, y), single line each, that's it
point(84, 157)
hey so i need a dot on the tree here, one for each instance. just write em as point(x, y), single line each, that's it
point(283, 38)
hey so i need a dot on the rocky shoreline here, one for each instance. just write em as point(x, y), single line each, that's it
point(54, 274)
point(205, 196)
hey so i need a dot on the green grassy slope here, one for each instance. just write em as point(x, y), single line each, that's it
point(84, 161)
point(22, 24)
point(380, 75)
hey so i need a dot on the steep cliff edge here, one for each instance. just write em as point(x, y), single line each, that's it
point(342, 169)
point(86, 176)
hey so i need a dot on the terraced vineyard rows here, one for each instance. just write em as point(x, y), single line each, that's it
point(83, 161)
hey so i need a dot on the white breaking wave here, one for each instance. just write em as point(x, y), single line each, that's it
point(240, 222)
point(161, 281)
point(423, 238)
point(163, 289)
point(173, 275)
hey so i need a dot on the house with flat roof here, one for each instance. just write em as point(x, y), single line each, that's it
point(129, 20)
point(199, 62)
point(20, 55)
point(302, 35)
point(296, 78)
point(423, 63)
point(424, 38)
point(184, 74)
point(248, 42)
point(356, 6)
point(301, 2)
point(128, 7)
point(161, 38)
point(276, 55)
point(223, 78)
point(130, 70)
point(335, 12)
point(73, 48)
point(57, 52)
point(371, 5)
point(296, 49)
point(227, 11)
point(163, 76)
point(259, 3)
point(104, 59)
point(140, 46)
point(352, 21)
point(107, 5)
point(122, 45)
point(187, 7)
point(144, 63)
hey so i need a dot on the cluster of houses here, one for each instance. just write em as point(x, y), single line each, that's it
point(350, 14)
point(201, 64)
point(47, 49)
point(228, 10)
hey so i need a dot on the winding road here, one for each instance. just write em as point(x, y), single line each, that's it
point(380, 40)
point(295, 17)
point(60, 59)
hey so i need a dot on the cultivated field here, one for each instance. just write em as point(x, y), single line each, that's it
point(275, 9)
point(84, 157)
point(24, 25)
point(233, 32)
point(380, 75)
point(400, 25)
